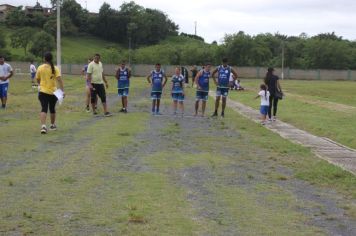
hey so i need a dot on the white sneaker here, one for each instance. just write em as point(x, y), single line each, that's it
point(274, 118)
point(44, 130)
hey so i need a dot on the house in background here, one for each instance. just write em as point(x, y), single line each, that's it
point(4, 10)
point(38, 9)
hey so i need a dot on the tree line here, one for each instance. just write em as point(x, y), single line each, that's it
point(154, 37)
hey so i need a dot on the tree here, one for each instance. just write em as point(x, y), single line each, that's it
point(16, 17)
point(328, 54)
point(67, 27)
point(21, 38)
point(75, 12)
point(3, 51)
point(43, 42)
point(37, 19)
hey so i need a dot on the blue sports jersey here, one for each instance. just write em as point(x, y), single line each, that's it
point(157, 78)
point(203, 81)
point(123, 78)
point(177, 84)
point(85, 68)
point(224, 76)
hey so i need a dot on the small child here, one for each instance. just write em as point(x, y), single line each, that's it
point(238, 85)
point(178, 91)
point(33, 71)
point(264, 95)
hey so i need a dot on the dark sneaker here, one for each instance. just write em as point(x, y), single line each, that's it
point(43, 130)
point(107, 114)
point(95, 113)
point(53, 127)
point(87, 109)
point(122, 110)
point(222, 114)
point(215, 114)
point(158, 113)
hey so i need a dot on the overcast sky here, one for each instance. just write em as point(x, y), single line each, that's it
point(215, 18)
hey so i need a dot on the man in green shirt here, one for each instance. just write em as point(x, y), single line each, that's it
point(96, 79)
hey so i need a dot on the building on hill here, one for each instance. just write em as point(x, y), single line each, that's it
point(4, 10)
point(38, 9)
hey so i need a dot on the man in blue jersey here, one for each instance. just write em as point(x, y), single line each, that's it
point(158, 80)
point(223, 84)
point(178, 91)
point(123, 75)
point(202, 82)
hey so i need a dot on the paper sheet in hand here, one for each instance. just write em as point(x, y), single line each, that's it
point(59, 94)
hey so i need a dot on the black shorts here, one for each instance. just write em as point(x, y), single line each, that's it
point(98, 90)
point(47, 101)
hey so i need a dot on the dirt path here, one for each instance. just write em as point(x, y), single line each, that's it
point(332, 106)
point(324, 148)
point(181, 136)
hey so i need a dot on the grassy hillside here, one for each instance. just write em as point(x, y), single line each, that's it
point(76, 49)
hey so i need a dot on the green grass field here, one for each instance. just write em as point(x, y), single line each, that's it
point(137, 174)
point(324, 108)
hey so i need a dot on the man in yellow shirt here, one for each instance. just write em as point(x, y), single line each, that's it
point(47, 77)
point(96, 80)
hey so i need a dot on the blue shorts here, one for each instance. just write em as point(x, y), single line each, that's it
point(178, 97)
point(264, 110)
point(3, 90)
point(202, 95)
point(222, 92)
point(156, 95)
point(124, 92)
point(33, 75)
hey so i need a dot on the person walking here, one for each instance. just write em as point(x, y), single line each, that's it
point(194, 71)
point(223, 85)
point(123, 75)
point(48, 76)
point(264, 95)
point(274, 87)
point(87, 86)
point(178, 91)
point(96, 79)
point(6, 73)
point(158, 79)
point(202, 83)
point(33, 74)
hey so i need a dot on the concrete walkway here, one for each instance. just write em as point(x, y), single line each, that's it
point(324, 148)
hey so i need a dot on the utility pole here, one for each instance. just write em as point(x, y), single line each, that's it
point(130, 49)
point(58, 34)
point(282, 75)
point(195, 28)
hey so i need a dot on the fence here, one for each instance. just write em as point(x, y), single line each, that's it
point(243, 72)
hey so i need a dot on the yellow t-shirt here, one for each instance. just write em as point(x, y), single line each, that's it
point(96, 70)
point(48, 80)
